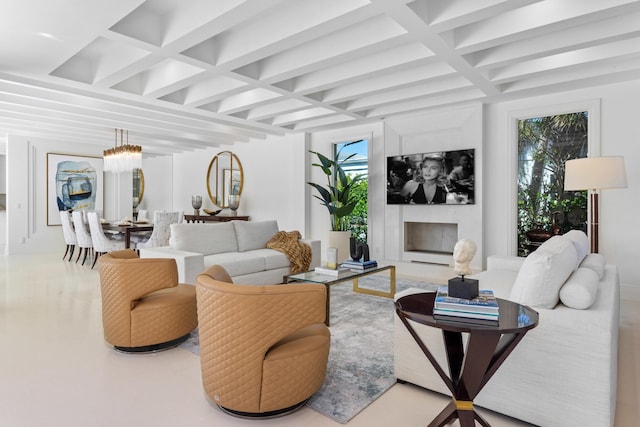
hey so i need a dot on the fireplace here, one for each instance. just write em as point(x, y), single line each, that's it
point(430, 237)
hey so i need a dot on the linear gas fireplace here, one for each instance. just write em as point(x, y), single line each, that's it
point(432, 238)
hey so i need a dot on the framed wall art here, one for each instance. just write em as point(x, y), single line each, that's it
point(73, 183)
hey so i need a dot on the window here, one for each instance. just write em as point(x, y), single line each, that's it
point(354, 158)
point(544, 208)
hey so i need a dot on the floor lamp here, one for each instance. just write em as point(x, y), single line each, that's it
point(593, 174)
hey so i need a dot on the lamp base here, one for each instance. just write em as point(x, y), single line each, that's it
point(460, 287)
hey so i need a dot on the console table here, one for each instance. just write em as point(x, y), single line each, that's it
point(215, 218)
point(488, 346)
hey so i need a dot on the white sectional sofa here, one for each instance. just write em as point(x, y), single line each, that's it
point(238, 246)
point(564, 371)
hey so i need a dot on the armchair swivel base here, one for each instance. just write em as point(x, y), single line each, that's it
point(264, 415)
point(153, 347)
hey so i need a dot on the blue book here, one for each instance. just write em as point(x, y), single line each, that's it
point(485, 302)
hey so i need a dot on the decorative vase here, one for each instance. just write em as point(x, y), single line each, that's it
point(340, 241)
point(234, 203)
point(196, 203)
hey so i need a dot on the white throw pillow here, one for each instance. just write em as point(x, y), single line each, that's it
point(207, 239)
point(580, 289)
point(594, 262)
point(580, 241)
point(254, 234)
point(543, 272)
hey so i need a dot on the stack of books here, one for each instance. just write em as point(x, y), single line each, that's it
point(359, 265)
point(483, 309)
point(334, 272)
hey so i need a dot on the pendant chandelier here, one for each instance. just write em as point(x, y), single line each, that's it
point(123, 157)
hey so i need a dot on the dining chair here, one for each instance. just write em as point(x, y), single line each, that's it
point(101, 243)
point(161, 230)
point(69, 234)
point(82, 235)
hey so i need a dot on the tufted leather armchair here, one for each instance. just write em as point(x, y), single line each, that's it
point(143, 306)
point(263, 349)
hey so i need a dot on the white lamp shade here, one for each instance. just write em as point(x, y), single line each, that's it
point(594, 173)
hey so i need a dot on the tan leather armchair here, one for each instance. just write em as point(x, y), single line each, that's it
point(263, 349)
point(143, 306)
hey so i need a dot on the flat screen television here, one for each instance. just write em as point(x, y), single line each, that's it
point(441, 177)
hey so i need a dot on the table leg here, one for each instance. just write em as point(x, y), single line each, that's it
point(392, 285)
point(328, 302)
point(468, 372)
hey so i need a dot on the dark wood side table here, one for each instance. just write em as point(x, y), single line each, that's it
point(487, 348)
point(215, 218)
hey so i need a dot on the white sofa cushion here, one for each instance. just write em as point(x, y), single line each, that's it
point(543, 272)
point(254, 234)
point(204, 238)
point(237, 263)
point(273, 259)
point(594, 262)
point(580, 289)
point(580, 241)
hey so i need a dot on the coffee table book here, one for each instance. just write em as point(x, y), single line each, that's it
point(445, 318)
point(484, 303)
point(463, 315)
point(359, 265)
point(334, 272)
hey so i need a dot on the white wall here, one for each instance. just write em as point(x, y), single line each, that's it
point(274, 176)
point(457, 128)
point(3, 190)
point(158, 184)
point(27, 229)
point(619, 229)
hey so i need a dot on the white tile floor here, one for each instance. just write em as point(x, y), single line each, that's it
point(56, 370)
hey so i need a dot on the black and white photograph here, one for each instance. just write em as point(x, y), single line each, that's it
point(439, 177)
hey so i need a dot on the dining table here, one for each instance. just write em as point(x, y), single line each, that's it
point(127, 229)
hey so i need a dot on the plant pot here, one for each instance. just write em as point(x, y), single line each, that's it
point(340, 240)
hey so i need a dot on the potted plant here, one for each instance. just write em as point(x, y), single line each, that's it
point(337, 197)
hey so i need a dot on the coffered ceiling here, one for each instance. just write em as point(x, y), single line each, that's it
point(190, 74)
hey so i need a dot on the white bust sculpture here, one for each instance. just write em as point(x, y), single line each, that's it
point(463, 253)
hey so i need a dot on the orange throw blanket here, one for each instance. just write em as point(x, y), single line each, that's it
point(298, 253)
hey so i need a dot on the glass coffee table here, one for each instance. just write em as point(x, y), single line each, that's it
point(353, 275)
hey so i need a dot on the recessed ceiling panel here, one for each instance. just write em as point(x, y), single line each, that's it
point(99, 59)
point(160, 76)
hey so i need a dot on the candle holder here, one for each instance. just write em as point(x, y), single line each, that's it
point(196, 203)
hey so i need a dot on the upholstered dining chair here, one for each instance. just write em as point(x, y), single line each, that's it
point(161, 230)
point(144, 308)
point(101, 243)
point(82, 235)
point(69, 234)
point(263, 349)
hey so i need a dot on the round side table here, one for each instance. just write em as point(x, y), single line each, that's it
point(488, 346)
